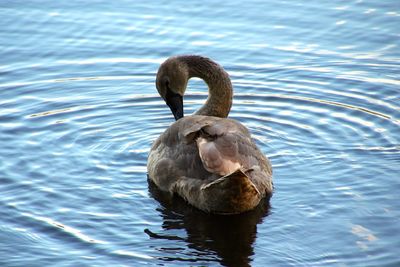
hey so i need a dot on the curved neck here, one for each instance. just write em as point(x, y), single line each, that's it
point(220, 92)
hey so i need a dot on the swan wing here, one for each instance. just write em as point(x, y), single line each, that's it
point(198, 156)
point(225, 146)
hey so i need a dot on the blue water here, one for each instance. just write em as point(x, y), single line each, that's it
point(317, 83)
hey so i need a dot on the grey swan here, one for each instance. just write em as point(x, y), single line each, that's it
point(207, 159)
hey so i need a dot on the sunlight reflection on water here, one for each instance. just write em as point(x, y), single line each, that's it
point(316, 84)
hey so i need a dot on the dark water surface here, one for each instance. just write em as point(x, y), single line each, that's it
point(317, 83)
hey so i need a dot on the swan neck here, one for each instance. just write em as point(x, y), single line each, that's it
point(220, 91)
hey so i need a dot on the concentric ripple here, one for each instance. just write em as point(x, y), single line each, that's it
point(317, 84)
point(82, 143)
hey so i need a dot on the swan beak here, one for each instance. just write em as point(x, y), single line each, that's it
point(175, 103)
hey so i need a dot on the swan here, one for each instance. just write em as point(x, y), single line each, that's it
point(207, 159)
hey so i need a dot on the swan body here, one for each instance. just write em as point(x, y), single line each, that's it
point(209, 160)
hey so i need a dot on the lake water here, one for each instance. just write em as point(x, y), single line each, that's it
point(317, 83)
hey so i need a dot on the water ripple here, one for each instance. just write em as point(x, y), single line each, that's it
point(318, 89)
point(64, 228)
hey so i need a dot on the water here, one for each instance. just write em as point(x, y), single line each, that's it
point(316, 83)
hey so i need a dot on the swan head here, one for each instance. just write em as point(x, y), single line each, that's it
point(171, 82)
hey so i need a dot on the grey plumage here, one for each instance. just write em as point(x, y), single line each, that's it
point(210, 161)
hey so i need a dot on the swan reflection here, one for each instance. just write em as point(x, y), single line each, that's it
point(227, 239)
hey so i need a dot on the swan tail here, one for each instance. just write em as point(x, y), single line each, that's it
point(230, 194)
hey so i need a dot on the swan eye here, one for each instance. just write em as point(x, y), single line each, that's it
point(165, 81)
point(167, 84)
point(164, 86)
